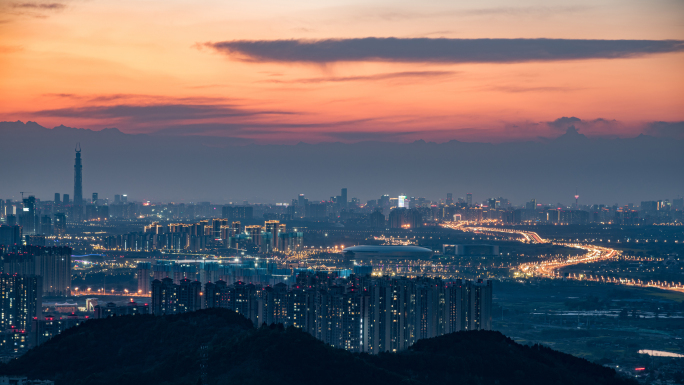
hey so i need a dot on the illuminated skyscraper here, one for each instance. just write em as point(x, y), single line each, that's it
point(78, 185)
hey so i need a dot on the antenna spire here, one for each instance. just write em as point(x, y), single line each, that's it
point(78, 147)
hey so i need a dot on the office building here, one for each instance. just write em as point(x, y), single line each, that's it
point(29, 219)
point(343, 199)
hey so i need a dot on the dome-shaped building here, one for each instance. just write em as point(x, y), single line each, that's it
point(364, 252)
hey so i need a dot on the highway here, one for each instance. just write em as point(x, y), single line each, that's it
point(551, 268)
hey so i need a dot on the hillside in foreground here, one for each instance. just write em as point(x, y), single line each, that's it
point(166, 350)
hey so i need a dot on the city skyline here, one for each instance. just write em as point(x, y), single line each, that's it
point(549, 171)
point(341, 192)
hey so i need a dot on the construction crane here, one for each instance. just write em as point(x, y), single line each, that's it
point(24, 192)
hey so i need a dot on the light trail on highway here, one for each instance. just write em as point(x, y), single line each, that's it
point(551, 268)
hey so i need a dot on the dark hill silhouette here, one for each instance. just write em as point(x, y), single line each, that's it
point(147, 350)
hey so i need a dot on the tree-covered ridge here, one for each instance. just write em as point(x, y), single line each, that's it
point(165, 350)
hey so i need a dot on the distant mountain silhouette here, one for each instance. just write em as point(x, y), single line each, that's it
point(197, 168)
point(144, 350)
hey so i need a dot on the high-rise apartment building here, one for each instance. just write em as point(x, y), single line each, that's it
point(53, 264)
point(144, 272)
point(10, 237)
point(237, 213)
point(272, 227)
point(46, 225)
point(43, 328)
point(361, 314)
point(171, 298)
point(20, 300)
point(59, 227)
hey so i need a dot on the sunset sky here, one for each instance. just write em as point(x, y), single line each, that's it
point(290, 71)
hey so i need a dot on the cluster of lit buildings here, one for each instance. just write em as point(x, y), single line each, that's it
point(20, 302)
point(52, 264)
point(258, 271)
point(273, 236)
point(28, 273)
point(360, 313)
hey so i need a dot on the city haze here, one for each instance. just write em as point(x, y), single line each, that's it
point(222, 170)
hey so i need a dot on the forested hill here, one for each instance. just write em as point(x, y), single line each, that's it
point(147, 350)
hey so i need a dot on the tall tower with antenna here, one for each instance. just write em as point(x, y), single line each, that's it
point(78, 185)
point(576, 200)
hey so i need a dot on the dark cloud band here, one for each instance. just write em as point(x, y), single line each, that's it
point(41, 6)
point(441, 50)
point(157, 112)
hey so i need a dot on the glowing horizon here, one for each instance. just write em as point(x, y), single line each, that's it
point(393, 71)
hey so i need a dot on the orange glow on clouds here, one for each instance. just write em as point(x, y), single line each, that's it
point(142, 67)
